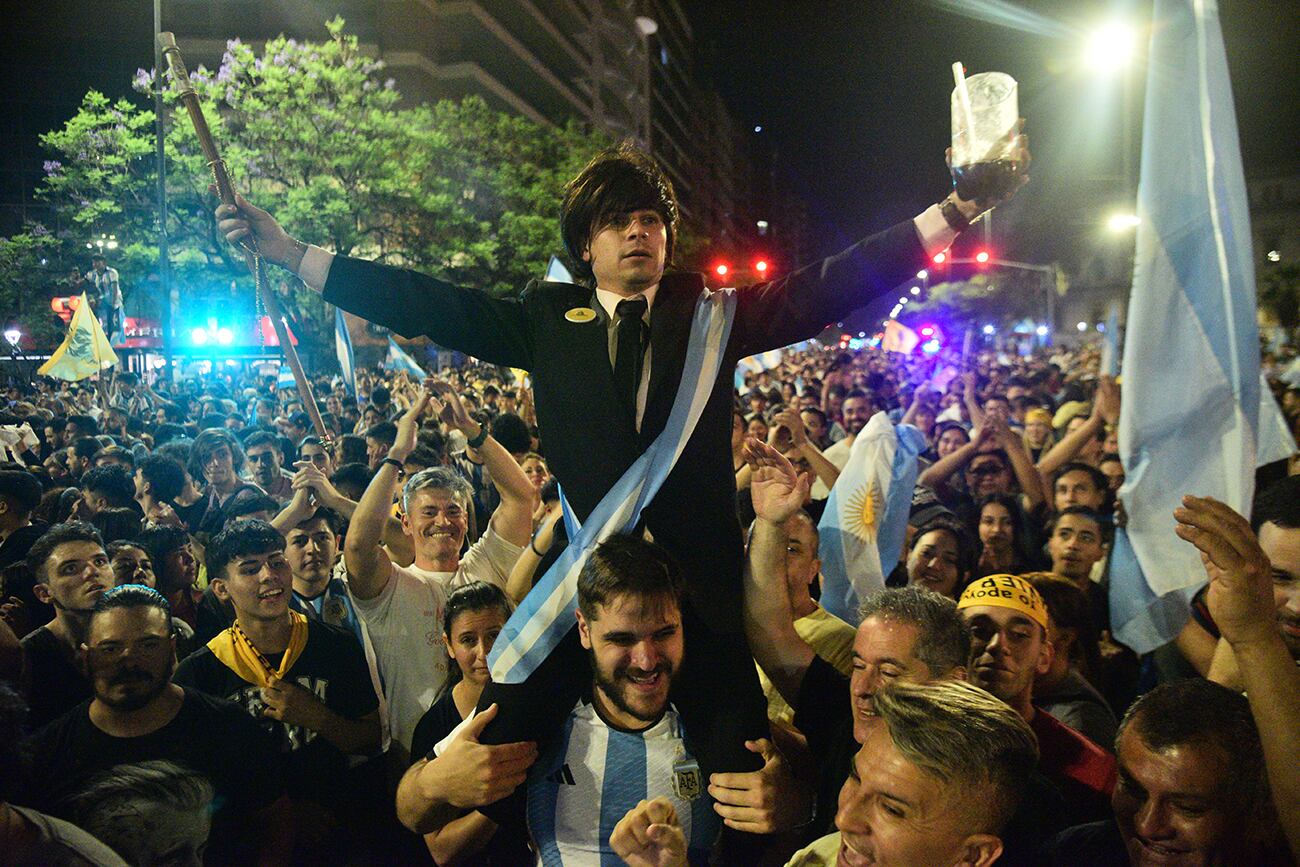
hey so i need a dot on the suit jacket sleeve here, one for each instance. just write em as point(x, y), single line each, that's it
point(412, 304)
point(800, 305)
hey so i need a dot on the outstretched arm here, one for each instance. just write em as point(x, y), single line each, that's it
point(769, 616)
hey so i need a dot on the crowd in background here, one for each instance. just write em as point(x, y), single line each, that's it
point(136, 516)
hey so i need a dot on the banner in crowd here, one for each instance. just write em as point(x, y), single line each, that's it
point(899, 338)
point(865, 522)
point(1192, 317)
point(84, 352)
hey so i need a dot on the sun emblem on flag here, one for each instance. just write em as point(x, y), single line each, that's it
point(862, 512)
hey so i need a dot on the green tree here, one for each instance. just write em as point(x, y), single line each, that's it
point(313, 133)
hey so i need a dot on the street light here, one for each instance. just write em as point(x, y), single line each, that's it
point(1123, 222)
point(915, 290)
point(13, 335)
point(1110, 47)
point(1082, 326)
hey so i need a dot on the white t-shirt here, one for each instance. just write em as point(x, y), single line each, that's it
point(838, 454)
point(405, 626)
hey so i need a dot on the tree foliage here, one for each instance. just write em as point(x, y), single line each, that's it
point(315, 134)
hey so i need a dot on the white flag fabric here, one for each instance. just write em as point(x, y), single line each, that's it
point(865, 522)
point(1190, 414)
point(343, 350)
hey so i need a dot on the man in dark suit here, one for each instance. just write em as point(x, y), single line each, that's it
point(606, 359)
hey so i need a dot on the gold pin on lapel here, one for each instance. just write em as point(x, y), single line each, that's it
point(580, 314)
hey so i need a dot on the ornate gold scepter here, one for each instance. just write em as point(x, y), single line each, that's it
point(248, 244)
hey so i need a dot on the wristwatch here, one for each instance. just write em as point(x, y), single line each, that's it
point(955, 219)
point(480, 439)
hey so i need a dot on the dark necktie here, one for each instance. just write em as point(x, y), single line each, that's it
point(630, 347)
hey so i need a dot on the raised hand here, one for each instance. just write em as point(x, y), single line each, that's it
point(776, 489)
point(242, 220)
point(1240, 597)
point(649, 835)
point(407, 427)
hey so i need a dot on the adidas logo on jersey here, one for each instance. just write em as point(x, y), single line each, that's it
point(563, 777)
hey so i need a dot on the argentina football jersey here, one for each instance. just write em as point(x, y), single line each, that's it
point(593, 774)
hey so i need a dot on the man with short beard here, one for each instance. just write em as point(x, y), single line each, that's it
point(137, 714)
point(856, 411)
point(262, 448)
point(622, 743)
point(72, 572)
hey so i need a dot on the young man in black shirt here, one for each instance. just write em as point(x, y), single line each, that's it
point(72, 572)
point(138, 714)
point(305, 682)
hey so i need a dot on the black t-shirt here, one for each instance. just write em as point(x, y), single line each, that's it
point(53, 683)
point(509, 845)
point(436, 724)
point(333, 668)
point(211, 736)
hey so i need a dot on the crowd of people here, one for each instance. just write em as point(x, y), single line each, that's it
point(227, 639)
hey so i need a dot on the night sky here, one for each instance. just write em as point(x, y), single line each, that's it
point(853, 100)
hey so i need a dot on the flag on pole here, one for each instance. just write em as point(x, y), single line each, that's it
point(1275, 441)
point(284, 379)
point(899, 338)
point(557, 273)
point(343, 349)
point(398, 359)
point(1190, 416)
point(865, 522)
point(84, 352)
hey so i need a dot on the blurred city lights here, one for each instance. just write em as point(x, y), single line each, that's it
point(922, 274)
point(903, 300)
point(13, 335)
point(927, 331)
point(915, 290)
point(930, 347)
point(982, 256)
point(225, 336)
point(989, 329)
point(199, 336)
point(722, 270)
point(1041, 331)
point(1274, 256)
point(1082, 326)
point(761, 266)
point(1101, 326)
point(940, 258)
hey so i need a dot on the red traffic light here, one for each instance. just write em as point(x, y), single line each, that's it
point(722, 269)
point(982, 256)
point(761, 266)
point(940, 258)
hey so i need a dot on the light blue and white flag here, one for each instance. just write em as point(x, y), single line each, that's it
point(557, 273)
point(1110, 342)
point(1190, 416)
point(1275, 441)
point(547, 613)
point(284, 379)
point(398, 359)
point(865, 523)
point(343, 349)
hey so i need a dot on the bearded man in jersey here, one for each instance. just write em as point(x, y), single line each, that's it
point(621, 744)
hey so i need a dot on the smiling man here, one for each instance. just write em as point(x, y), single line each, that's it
point(935, 783)
point(304, 681)
point(72, 571)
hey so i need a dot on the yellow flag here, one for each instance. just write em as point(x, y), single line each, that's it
point(84, 352)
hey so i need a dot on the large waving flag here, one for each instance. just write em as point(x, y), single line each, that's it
point(1110, 342)
point(343, 349)
point(84, 352)
point(557, 273)
point(1189, 420)
point(899, 338)
point(398, 359)
point(865, 522)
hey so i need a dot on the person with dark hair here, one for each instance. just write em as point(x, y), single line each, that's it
point(159, 480)
point(351, 449)
point(1076, 542)
point(171, 550)
point(473, 618)
point(352, 479)
point(319, 589)
point(379, 439)
point(218, 459)
point(1112, 467)
point(314, 450)
point(28, 836)
point(1192, 786)
point(619, 741)
point(78, 427)
point(1080, 484)
point(262, 448)
point(115, 455)
point(315, 699)
point(605, 358)
point(941, 558)
point(72, 572)
point(20, 494)
point(81, 456)
point(137, 714)
point(512, 432)
point(297, 426)
point(117, 524)
point(108, 487)
point(1004, 537)
point(1009, 649)
point(1064, 690)
point(249, 503)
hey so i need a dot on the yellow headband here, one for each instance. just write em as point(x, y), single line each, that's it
point(1006, 591)
point(1039, 414)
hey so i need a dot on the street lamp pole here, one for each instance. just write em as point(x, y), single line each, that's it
point(160, 156)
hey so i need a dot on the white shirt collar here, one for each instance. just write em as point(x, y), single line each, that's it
point(609, 300)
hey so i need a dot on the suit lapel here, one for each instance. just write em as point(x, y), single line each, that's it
point(586, 344)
